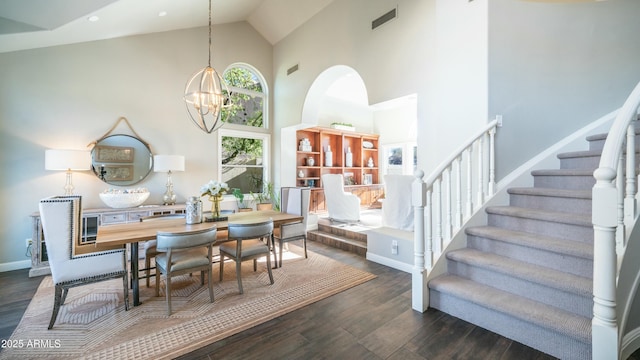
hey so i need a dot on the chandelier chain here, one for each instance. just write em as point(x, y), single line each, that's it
point(210, 33)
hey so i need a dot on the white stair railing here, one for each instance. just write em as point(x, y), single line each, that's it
point(614, 211)
point(435, 218)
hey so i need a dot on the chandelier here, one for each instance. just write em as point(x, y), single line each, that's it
point(206, 95)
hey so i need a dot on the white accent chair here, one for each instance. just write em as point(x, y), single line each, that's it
point(397, 211)
point(183, 253)
point(293, 200)
point(247, 241)
point(342, 206)
point(61, 218)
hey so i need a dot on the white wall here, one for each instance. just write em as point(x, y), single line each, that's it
point(393, 60)
point(69, 96)
point(554, 68)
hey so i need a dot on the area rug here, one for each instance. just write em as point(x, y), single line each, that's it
point(93, 323)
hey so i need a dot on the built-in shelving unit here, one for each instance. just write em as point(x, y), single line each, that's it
point(361, 176)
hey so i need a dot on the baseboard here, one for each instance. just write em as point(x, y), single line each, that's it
point(408, 268)
point(15, 265)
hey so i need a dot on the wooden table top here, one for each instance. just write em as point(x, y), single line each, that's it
point(119, 234)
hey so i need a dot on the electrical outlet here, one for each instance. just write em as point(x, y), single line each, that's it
point(394, 247)
point(28, 241)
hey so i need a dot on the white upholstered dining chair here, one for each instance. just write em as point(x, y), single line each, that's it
point(62, 227)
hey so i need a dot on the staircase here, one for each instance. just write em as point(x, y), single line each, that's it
point(528, 274)
point(339, 236)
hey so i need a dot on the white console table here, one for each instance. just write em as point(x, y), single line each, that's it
point(91, 219)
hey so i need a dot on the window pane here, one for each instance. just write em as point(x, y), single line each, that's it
point(242, 163)
point(247, 179)
point(242, 78)
point(244, 110)
point(247, 98)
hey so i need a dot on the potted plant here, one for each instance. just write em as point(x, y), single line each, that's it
point(242, 205)
point(267, 199)
point(342, 126)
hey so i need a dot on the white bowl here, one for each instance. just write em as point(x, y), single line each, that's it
point(127, 200)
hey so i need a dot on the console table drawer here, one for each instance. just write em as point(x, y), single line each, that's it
point(134, 216)
point(114, 218)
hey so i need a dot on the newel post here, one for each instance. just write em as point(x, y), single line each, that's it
point(604, 323)
point(419, 289)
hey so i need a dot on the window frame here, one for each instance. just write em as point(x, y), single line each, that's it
point(266, 149)
point(264, 94)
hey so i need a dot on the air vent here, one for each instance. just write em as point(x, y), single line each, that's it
point(384, 18)
point(292, 69)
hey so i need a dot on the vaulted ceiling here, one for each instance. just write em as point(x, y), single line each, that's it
point(27, 24)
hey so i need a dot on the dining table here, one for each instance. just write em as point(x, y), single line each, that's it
point(135, 232)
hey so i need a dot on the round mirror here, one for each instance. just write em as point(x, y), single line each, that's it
point(121, 160)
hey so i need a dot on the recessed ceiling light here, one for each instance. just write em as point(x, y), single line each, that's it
point(93, 18)
point(162, 13)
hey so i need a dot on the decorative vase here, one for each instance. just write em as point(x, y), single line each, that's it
point(349, 158)
point(328, 157)
point(215, 205)
point(194, 210)
point(311, 161)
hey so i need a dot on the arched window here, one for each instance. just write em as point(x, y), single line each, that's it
point(248, 95)
point(243, 156)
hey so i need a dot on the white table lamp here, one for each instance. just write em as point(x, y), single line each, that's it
point(168, 163)
point(69, 160)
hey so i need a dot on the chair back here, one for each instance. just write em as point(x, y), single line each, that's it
point(295, 200)
point(397, 210)
point(333, 182)
point(241, 230)
point(185, 239)
point(61, 217)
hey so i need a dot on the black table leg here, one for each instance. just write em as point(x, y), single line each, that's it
point(134, 274)
point(275, 254)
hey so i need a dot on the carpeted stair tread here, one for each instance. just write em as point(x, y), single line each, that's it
point(522, 270)
point(562, 246)
point(562, 172)
point(551, 192)
point(545, 316)
point(544, 215)
point(578, 154)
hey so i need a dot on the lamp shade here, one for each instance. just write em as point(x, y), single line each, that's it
point(67, 159)
point(165, 163)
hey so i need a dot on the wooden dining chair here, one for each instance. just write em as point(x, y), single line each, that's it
point(183, 253)
point(247, 241)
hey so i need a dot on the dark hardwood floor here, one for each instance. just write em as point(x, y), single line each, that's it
point(370, 321)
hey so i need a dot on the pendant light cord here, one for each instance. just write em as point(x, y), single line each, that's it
point(209, 33)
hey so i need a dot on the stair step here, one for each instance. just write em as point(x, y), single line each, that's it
point(596, 142)
point(343, 230)
point(566, 291)
point(571, 201)
point(561, 225)
point(588, 159)
point(570, 179)
point(352, 245)
point(540, 326)
point(559, 254)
